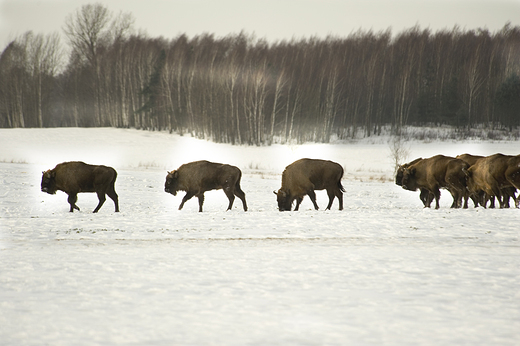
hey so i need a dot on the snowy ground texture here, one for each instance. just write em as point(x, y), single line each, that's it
point(384, 271)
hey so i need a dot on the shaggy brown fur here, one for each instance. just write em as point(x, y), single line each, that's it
point(75, 177)
point(200, 176)
point(304, 176)
point(425, 196)
point(435, 173)
point(496, 175)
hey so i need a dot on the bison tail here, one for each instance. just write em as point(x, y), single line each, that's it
point(341, 188)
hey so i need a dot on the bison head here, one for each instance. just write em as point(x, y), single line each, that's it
point(49, 182)
point(284, 200)
point(409, 182)
point(399, 176)
point(470, 182)
point(172, 183)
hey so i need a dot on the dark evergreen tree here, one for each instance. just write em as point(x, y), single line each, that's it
point(450, 105)
point(508, 101)
point(152, 92)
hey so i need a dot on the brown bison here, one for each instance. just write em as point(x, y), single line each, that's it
point(200, 176)
point(425, 196)
point(513, 171)
point(304, 176)
point(496, 175)
point(75, 177)
point(435, 173)
point(478, 197)
point(469, 159)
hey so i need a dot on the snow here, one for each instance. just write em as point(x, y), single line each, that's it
point(382, 271)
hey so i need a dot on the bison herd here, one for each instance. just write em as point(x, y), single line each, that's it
point(478, 178)
point(300, 178)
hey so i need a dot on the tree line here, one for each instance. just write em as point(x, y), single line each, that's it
point(243, 90)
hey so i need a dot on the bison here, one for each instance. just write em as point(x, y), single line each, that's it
point(435, 173)
point(75, 177)
point(469, 159)
point(513, 171)
point(200, 176)
point(304, 176)
point(478, 197)
point(495, 175)
point(425, 196)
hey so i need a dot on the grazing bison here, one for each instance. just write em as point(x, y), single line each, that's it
point(495, 175)
point(75, 177)
point(435, 173)
point(304, 176)
point(425, 196)
point(200, 176)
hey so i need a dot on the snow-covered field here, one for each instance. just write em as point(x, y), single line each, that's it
point(384, 271)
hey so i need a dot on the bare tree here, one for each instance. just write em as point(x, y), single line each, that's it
point(29, 66)
point(90, 30)
point(399, 152)
point(44, 59)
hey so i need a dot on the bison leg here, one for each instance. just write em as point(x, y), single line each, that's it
point(332, 194)
point(200, 196)
point(505, 199)
point(240, 194)
point(512, 193)
point(475, 199)
point(426, 197)
point(298, 202)
point(73, 198)
point(231, 196)
point(186, 198)
point(437, 195)
point(491, 199)
point(312, 196)
point(113, 195)
point(467, 197)
point(339, 194)
point(457, 198)
point(102, 198)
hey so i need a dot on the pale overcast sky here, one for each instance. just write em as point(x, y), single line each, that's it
point(270, 19)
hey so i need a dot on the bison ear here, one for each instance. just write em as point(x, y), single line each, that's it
point(281, 193)
point(413, 170)
point(175, 174)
